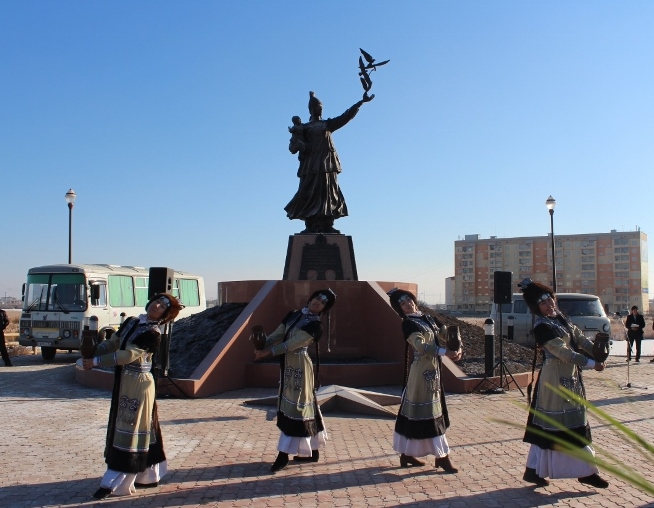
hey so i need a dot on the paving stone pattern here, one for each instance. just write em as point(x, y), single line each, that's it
point(220, 451)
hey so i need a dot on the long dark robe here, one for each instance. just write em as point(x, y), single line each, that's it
point(319, 194)
point(121, 460)
point(437, 422)
point(558, 372)
point(293, 424)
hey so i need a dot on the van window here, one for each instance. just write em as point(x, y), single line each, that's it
point(506, 308)
point(520, 307)
point(580, 307)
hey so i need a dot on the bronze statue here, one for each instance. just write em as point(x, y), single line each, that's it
point(318, 200)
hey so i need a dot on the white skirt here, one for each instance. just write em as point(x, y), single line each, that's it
point(301, 446)
point(420, 447)
point(553, 464)
point(122, 484)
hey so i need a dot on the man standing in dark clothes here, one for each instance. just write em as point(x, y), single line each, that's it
point(635, 325)
point(4, 322)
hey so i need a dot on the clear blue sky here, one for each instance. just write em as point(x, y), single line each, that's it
point(169, 120)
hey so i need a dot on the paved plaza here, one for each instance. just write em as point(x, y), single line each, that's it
point(220, 450)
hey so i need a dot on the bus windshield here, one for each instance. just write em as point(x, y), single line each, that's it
point(60, 292)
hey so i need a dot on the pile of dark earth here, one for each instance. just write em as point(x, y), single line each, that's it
point(517, 358)
point(195, 336)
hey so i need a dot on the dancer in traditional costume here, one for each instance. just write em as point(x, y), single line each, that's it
point(298, 415)
point(563, 345)
point(134, 449)
point(422, 420)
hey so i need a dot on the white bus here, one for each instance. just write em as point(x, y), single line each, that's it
point(58, 298)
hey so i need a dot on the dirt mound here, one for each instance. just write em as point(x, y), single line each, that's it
point(516, 357)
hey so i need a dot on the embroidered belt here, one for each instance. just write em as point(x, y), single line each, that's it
point(139, 367)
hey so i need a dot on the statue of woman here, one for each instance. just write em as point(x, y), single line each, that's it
point(318, 200)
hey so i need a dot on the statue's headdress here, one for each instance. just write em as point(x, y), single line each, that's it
point(312, 101)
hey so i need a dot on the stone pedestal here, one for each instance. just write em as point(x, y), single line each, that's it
point(320, 257)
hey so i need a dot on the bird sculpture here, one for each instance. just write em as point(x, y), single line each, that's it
point(371, 61)
point(367, 68)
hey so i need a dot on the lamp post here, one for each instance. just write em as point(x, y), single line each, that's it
point(70, 199)
point(550, 204)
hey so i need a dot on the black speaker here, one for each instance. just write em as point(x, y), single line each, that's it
point(502, 291)
point(160, 280)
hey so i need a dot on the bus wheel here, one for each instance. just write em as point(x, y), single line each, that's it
point(48, 353)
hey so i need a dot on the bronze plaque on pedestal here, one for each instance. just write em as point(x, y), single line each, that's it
point(320, 257)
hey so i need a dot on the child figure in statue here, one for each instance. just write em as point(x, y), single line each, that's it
point(296, 144)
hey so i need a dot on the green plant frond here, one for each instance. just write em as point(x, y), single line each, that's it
point(625, 432)
point(559, 426)
point(617, 468)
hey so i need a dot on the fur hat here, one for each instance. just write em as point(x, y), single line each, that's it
point(397, 296)
point(173, 306)
point(327, 295)
point(534, 293)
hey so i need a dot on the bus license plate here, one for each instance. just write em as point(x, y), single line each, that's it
point(43, 344)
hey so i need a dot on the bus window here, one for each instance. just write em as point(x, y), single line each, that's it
point(188, 292)
point(67, 292)
point(141, 291)
point(36, 292)
point(99, 295)
point(121, 291)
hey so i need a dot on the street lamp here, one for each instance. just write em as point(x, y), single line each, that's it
point(550, 204)
point(70, 199)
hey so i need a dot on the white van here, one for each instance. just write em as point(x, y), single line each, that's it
point(585, 311)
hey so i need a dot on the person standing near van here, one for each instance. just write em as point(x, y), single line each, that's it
point(563, 345)
point(635, 325)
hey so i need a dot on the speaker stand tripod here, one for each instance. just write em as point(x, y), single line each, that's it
point(504, 374)
point(162, 361)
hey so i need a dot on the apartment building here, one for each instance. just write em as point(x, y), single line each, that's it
point(611, 265)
